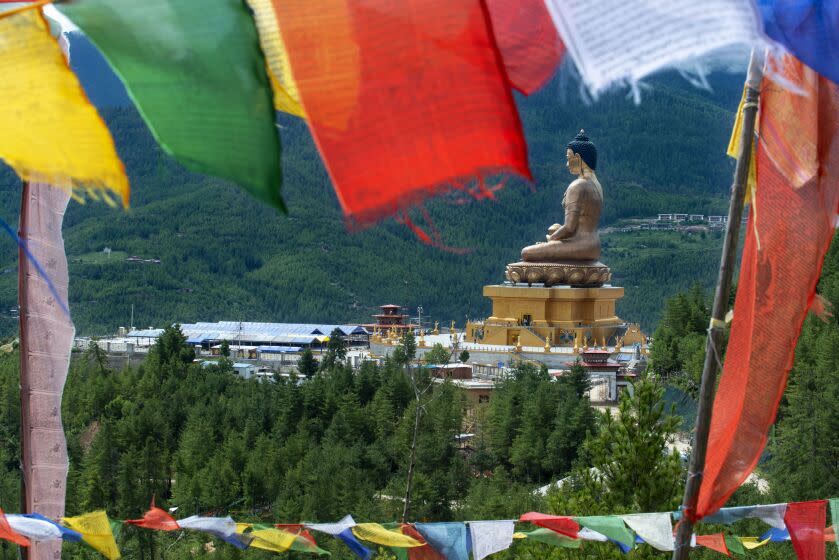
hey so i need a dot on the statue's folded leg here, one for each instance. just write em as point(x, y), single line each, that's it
point(542, 251)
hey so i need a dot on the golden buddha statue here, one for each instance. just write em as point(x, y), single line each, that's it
point(570, 252)
point(577, 238)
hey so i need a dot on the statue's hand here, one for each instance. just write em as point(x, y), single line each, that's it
point(553, 228)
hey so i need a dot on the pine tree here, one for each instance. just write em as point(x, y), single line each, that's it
point(627, 466)
point(437, 355)
point(307, 366)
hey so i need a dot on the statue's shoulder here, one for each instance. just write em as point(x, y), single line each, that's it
point(580, 186)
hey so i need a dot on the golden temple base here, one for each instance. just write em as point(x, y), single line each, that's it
point(531, 315)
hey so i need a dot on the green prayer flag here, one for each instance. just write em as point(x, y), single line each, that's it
point(197, 75)
point(734, 545)
point(834, 518)
point(116, 528)
point(610, 525)
point(552, 538)
point(302, 544)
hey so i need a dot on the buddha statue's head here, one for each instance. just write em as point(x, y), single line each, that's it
point(581, 154)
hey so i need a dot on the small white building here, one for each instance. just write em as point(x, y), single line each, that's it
point(246, 371)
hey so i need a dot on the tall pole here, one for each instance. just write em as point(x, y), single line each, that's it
point(716, 328)
point(23, 337)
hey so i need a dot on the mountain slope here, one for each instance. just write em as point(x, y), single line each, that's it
point(225, 256)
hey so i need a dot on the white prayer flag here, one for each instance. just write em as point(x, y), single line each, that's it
point(223, 526)
point(616, 41)
point(35, 529)
point(333, 528)
point(590, 535)
point(489, 537)
point(655, 528)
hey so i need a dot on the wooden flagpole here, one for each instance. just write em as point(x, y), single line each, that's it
point(713, 351)
point(23, 338)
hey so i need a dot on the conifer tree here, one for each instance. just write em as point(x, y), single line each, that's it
point(307, 365)
point(627, 466)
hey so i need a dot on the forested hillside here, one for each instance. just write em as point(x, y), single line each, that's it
point(225, 256)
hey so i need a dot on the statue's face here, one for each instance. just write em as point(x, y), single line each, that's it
point(574, 162)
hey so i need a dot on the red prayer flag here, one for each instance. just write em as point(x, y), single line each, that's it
point(714, 542)
point(794, 220)
point(557, 523)
point(528, 40)
point(9, 534)
point(156, 519)
point(805, 522)
point(404, 99)
point(297, 529)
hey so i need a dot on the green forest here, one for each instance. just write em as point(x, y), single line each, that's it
point(337, 441)
point(225, 256)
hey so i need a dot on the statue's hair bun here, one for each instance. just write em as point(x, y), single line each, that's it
point(584, 147)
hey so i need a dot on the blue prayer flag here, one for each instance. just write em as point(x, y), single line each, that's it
point(449, 539)
point(809, 29)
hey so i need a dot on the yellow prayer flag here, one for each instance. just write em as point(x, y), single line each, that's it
point(753, 542)
point(286, 95)
point(375, 533)
point(49, 131)
point(274, 540)
point(96, 532)
point(734, 147)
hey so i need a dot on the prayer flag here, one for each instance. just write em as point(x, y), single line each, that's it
point(591, 535)
point(775, 535)
point(734, 545)
point(549, 537)
point(404, 99)
point(286, 96)
point(559, 523)
point(425, 552)
point(273, 539)
point(610, 525)
point(489, 537)
point(753, 542)
point(334, 529)
point(834, 518)
point(449, 539)
point(51, 132)
point(771, 514)
point(34, 529)
point(66, 534)
point(96, 532)
point(610, 40)
point(528, 41)
point(806, 521)
point(156, 519)
point(354, 545)
point(45, 344)
point(9, 534)
point(777, 279)
point(656, 529)
point(213, 525)
point(197, 75)
point(304, 543)
point(714, 542)
point(809, 29)
point(223, 528)
point(375, 533)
